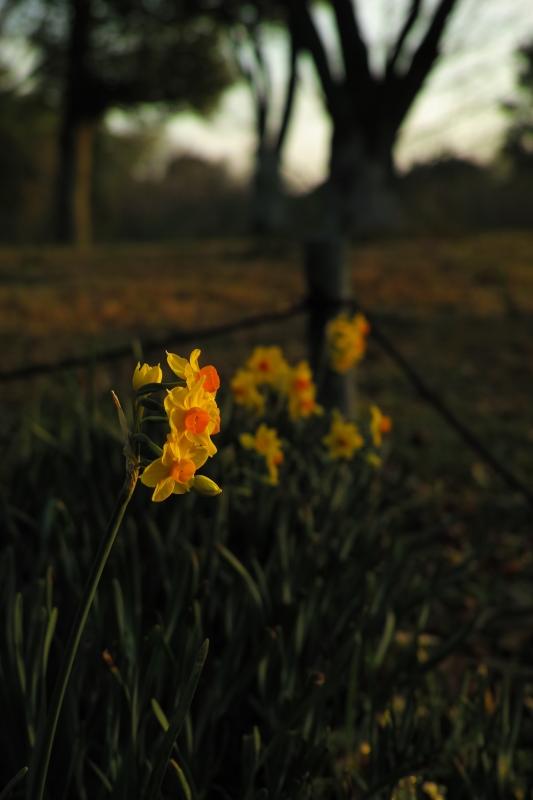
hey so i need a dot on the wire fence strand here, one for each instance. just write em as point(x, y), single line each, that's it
point(151, 344)
point(425, 392)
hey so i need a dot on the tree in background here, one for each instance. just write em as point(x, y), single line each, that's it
point(25, 169)
point(248, 25)
point(366, 109)
point(97, 56)
point(518, 145)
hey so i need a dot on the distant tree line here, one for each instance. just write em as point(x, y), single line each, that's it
point(66, 177)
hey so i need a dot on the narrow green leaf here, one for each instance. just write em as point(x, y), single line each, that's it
point(160, 714)
point(48, 636)
point(163, 755)
point(18, 636)
point(119, 606)
point(388, 632)
point(49, 585)
point(243, 572)
point(15, 780)
point(103, 778)
point(186, 789)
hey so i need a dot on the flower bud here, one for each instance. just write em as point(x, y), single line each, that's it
point(146, 374)
point(204, 485)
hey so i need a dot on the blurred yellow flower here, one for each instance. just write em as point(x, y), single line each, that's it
point(301, 391)
point(245, 392)
point(433, 790)
point(343, 439)
point(144, 374)
point(405, 789)
point(173, 472)
point(190, 371)
point(346, 341)
point(268, 366)
point(266, 442)
point(379, 425)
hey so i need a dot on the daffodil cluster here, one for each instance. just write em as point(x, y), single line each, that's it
point(269, 387)
point(193, 418)
point(268, 374)
point(346, 341)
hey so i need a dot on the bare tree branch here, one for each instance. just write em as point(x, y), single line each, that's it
point(289, 97)
point(423, 60)
point(305, 35)
point(354, 51)
point(402, 36)
point(256, 82)
point(264, 90)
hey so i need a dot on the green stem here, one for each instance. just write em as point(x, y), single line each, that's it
point(41, 757)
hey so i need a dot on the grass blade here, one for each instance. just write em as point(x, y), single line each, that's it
point(15, 780)
point(163, 756)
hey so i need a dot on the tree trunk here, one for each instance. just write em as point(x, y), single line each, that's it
point(74, 183)
point(83, 183)
point(360, 188)
point(269, 201)
point(74, 171)
point(64, 205)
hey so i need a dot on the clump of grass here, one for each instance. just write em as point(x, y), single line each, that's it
point(346, 632)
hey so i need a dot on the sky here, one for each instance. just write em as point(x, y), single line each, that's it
point(457, 111)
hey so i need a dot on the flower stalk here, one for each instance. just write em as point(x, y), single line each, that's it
point(41, 757)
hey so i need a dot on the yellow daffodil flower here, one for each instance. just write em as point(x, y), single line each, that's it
point(433, 790)
point(379, 425)
point(144, 374)
point(266, 442)
point(245, 391)
point(346, 341)
point(174, 471)
point(193, 414)
point(343, 439)
point(190, 371)
point(301, 392)
point(268, 366)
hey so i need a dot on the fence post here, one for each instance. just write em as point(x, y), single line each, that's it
point(329, 289)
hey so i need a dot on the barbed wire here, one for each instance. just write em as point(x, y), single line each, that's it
point(433, 399)
point(425, 392)
point(150, 344)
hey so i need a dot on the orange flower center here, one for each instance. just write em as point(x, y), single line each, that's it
point(278, 458)
point(307, 404)
point(182, 470)
point(301, 383)
point(212, 380)
point(263, 365)
point(196, 420)
point(385, 424)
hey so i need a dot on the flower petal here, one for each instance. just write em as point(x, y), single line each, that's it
point(163, 490)
point(154, 473)
point(177, 364)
